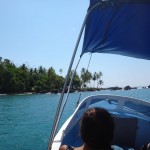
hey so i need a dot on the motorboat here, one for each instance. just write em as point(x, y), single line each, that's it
point(132, 121)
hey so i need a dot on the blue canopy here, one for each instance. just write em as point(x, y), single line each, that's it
point(118, 27)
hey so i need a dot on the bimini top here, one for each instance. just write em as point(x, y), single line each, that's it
point(118, 27)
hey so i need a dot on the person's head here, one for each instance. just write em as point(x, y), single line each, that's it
point(97, 128)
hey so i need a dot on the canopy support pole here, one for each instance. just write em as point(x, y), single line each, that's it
point(58, 114)
point(70, 84)
point(56, 120)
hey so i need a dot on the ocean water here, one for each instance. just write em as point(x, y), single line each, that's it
point(26, 120)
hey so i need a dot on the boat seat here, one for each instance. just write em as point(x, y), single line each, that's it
point(125, 132)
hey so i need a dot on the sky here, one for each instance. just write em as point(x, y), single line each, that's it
point(44, 33)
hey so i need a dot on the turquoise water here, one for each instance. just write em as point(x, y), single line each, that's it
point(26, 120)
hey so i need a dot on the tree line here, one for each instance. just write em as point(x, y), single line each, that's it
point(22, 79)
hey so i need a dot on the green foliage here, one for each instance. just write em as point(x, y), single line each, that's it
point(23, 79)
point(76, 83)
point(86, 76)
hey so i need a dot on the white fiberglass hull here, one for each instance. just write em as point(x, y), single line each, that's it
point(132, 121)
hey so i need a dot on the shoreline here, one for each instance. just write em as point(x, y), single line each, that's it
point(77, 91)
point(28, 93)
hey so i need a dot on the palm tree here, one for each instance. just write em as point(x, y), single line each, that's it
point(94, 77)
point(98, 77)
point(76, 83)
point(85, 76)
point(101, 83)
point(60, 71)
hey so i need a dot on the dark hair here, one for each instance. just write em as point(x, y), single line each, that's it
point(97, 128)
